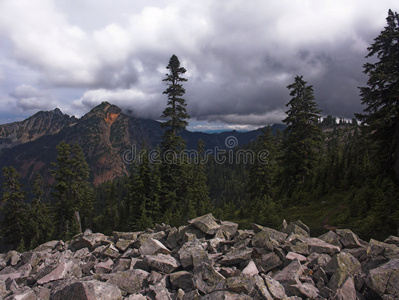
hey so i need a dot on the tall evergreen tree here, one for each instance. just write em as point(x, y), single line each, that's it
point(173, 162)
point(262, 180)
point(72, 190)
point(381, 96)
point(40, 215)
point(302, 137)
point(197, 200)
point(14, 224)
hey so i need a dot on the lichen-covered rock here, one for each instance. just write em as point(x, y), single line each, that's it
point(267, 234)
point(275, 288)
point(192, 254)
point(206, 224)
point(341, 266)
point(182, 279)
point(162, 262)
point(151, 246)
point(306, 290)
point(209, 260)
point(385, 279)
point(89, 290)
point(237, 256)
point(394, 240)
point(268, 262)
point(91, 241)
point(295, 229)
point(332, 238)
point(131, 282)
point(348, 239)
point(290, 274)
point(250, 270)
point(376, 248)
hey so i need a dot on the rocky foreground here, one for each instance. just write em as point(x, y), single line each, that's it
point(207, 259)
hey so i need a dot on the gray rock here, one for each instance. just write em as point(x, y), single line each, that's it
point(90, 241)
point(122, 245)
point(104, 267)
point(159, 292)
point(347, 291)
point(226, 230)
point(110, 251)
point(192, 254)
point(332, 238)
point(275, 288)
point(306, 290)
point(295, 229)
point(46, 247)
point(206, 278)
point(290, 274)
point(268, 262)
point(162, 262)
point(12, 257)
point(66, 269)
point(250, 270)
point(225, 295)
point(131, 282)
point(376, 248)
point(385, 279)
point(126, 235)
point(260, 290)
point(394, 240)
point(183, 280)
point(89, 290)
point(320, 246)
point(348, 239)
point(25, 293)
point(206, 224)
point(268, 234)
point(237, 256)
point(151, 247)
point(244, 285)
point(341, 266)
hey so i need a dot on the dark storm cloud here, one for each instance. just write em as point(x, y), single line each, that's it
point(239, 56)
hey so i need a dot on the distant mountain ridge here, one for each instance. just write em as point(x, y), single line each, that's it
point(105, 134)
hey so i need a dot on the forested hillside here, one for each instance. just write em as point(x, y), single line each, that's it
point(330, 173)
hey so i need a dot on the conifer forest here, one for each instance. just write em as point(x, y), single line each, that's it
point(327, 171)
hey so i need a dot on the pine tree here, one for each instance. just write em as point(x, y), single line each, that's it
point(302, 137)
point(173, 162)
point(72, 190)
point(14, 211)
point(40, 215)
point(262, 181)
point(381, 96)
point(197, 200)
point(110, 216)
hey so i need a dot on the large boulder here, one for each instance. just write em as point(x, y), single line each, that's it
point(290, 274)
point(162, 262)
point(341, 266)
point(89, 290)
point(151, 246)
point(385, 279)
point(131, 282)
point(192, 254)
point(206, 224)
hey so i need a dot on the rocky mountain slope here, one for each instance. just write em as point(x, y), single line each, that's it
point(36, 126)
point(206, 259)
point(107, 135)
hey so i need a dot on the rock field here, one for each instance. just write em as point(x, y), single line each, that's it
point(206, 259)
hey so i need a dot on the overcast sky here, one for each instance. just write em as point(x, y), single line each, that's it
point(239, 54)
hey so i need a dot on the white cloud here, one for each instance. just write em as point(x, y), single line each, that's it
point(28, 98)
point(240, 55)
